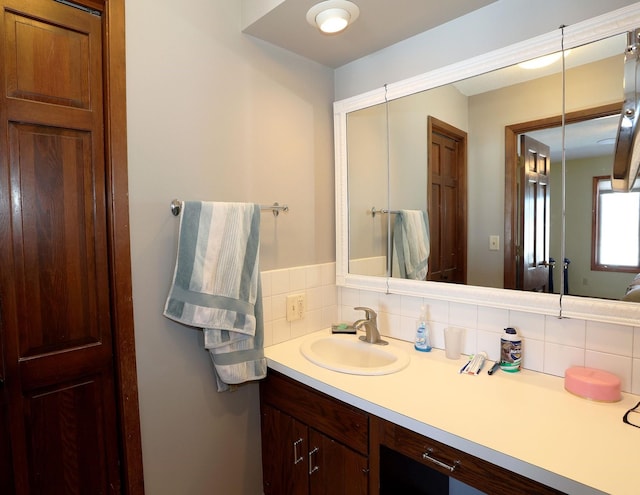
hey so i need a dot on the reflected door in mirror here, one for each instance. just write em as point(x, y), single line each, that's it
point(533, 268)
point(447, 193)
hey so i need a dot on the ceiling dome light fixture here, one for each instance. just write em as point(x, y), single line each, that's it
point(333, 16)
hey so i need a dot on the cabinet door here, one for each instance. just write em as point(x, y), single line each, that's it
point(335, 469)
point(284, 453)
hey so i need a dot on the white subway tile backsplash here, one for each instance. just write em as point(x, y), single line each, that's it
point(550, 344)
point(268, 333)
point(278, 306)
point(489, 342)
point(469, 340)
point(313, 276)
point(463, 315)
point(329, 295)
point(389, 324)
point(635, 377)
point(614, 339)
point(438, 311)
point(565, 331)
point(557, 358)
point(437, 334)
point(350, 297)
point(492, 319)
point(281, 330)
point(314, 298)
point(529, 325)
point(321, 301)
point(411, 306)
point(329, 315)
point(369, 300)
point(533, 355)
point(297, 279)
point(406, 330)
point(267, 312)
point(279, 281)
point(301, 327)
point(328, 273)
point(620, 366)
point(266, 284)
point(390, 303)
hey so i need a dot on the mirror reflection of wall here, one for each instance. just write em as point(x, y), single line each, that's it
point(481, 106)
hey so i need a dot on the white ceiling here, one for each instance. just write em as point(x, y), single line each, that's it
point(381, 23)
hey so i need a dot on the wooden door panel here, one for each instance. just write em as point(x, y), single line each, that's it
point(6, 462)
point(285, 450)
point(447, 202)
point(435, 231)
point(450, 235)
point(334, 469)
point(534, 215)
point(59, 239)
point(53, 63)
point(66, 431)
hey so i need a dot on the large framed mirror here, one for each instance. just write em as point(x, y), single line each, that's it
point(385, 144)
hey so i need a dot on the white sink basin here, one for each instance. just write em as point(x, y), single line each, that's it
point(348, 354)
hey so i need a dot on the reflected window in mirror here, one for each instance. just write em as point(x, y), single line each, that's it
point(616, 228)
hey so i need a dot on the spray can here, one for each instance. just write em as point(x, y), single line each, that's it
point(510, 350)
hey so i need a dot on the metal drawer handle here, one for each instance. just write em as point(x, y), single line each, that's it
point(296, 457)
point(313, 468)
point(427, 456)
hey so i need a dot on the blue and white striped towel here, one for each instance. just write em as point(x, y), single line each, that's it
point(411, 247)
point(216, 286)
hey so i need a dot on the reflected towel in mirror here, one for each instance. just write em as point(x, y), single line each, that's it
point(411, 245)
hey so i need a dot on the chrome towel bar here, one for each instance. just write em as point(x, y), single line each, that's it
point(373, 211)
point(176, 208)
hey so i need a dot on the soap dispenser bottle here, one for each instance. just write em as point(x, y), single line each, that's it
point(423, 340)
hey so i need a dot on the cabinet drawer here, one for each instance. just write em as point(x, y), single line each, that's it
point(469, 469)
point(337, 420)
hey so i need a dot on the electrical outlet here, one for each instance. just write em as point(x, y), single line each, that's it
point(494, 242)
point(295, 306)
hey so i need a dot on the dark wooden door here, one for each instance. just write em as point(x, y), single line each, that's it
point(59, 396)
point(334, 469)
point(533, 266)
point(447, 199)
point(285, 453)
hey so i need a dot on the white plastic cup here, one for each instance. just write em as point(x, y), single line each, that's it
point(453, 342)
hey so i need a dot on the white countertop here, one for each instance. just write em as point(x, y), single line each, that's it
point(525, 422)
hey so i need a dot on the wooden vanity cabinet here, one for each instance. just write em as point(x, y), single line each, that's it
point(311, 443)
point(315, 444)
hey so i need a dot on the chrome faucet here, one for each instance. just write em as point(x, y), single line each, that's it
point(370, 325)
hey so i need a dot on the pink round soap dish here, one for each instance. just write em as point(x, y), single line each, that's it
point(592, 384)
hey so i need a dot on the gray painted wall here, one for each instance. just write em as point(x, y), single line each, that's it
point(214, 115)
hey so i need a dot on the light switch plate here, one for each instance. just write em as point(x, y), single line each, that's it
point(494, 243)
point(295, 307)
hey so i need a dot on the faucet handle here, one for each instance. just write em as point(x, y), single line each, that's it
point(370, 314)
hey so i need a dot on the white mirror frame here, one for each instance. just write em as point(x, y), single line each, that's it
point(625, 313)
